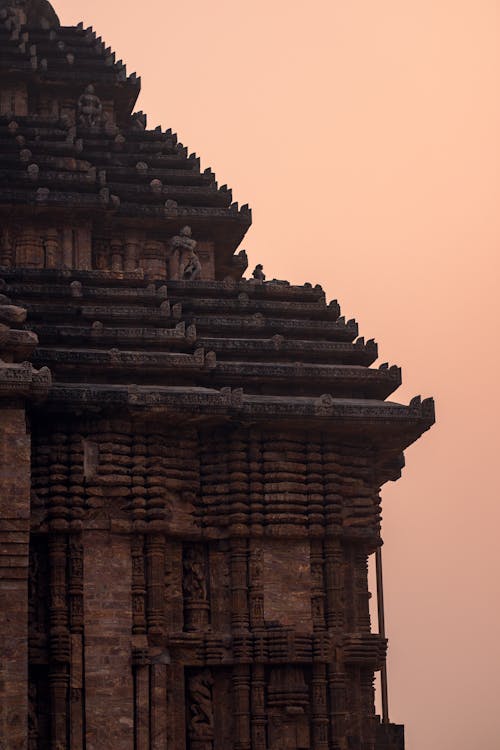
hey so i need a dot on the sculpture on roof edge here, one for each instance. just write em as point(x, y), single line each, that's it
point(184, 256)
point(90, 112)
point(258, 272)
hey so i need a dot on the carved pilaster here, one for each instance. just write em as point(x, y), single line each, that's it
point(367, 706)
point(138, 585)
point(317, 585)
point(132, 251)
point(155, 577)
point(68, 248)
point(337, 689)
point(239, 585)
point(258, 707)
point(51, 248)
point(140, 663)
point(158, 707)
point(256, 585)
point(116, 254)
point(29, 249)
point(59, 642)
point(7, 249)
point(76, 622)
point(241, 690)
point(334, 584)
point(319, 707)
point(362, 593)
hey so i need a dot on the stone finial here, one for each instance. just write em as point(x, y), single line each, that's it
point(90, 111)
point(258, 272)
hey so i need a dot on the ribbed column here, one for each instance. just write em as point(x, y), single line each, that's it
point(59, 642)
point(239, 585)
point(76, 623)
point(241, 692)
point(258, 708)
point(155, 577)
point(319, 707)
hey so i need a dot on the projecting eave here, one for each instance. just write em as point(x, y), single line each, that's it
point(390, 425)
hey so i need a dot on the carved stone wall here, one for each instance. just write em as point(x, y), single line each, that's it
point(168, 556)
point(14, 579)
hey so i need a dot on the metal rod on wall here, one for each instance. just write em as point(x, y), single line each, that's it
point(381, 628)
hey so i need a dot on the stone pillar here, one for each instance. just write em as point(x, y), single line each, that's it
point(319, 707)
point(362, 593)
point(241, 690)
point(116, 254)
point(141, 713)
point(334, 583)
point(239, 589)
point(335, 617)
point(7, 250)
point(158, 707)
point(29, 249)
point(84, 249)
point(132, 250)
point(155, 577)
point(51, 247)
point(76, 625)
point(154, 260)
point(14, 561)
point(258, 707)
point(60, 646)
point(68, 250)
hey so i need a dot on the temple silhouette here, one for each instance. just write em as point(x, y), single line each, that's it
point(190, 460)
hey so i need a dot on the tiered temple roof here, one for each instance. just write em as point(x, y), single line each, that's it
point(192, 512)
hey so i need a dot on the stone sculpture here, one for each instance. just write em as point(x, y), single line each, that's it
point(258, 272)
point(90, 111)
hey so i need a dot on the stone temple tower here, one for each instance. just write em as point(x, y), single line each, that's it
point(190, 462)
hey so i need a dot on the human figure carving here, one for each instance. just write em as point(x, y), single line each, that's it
point(90, 112)
point(258, 272)
point(192, 269)
point(194, 583)
point(183, 246)
point(201, 706)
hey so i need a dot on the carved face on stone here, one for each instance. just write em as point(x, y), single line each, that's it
point(186, 232)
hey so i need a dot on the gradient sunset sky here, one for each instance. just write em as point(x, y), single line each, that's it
point(366, 137)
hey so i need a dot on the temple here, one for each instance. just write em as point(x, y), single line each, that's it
point(190, 461)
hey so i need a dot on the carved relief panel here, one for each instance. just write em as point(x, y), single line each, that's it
point(209, 709)
point(195, 589)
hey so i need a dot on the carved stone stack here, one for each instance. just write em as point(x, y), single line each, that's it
point(191, 462)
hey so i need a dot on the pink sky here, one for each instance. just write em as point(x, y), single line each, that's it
point(365, 136)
